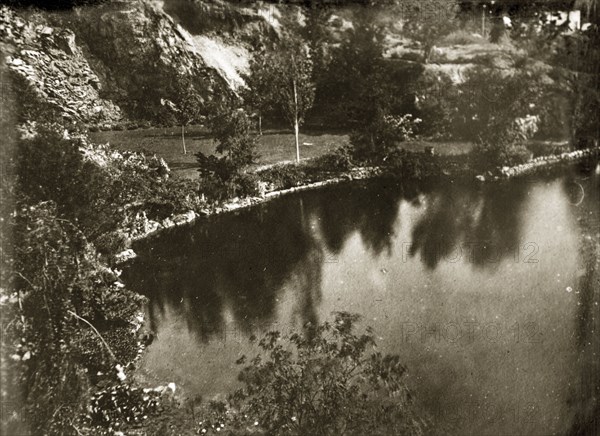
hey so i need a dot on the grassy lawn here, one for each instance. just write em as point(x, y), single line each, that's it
point(274, 146)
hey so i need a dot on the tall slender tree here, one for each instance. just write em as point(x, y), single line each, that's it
point(293, 88)
point(259, 92)
point(187, 107)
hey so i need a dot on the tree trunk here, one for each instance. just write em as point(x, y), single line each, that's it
point(296, 127)
point(183, 138)
point(483, 22)
point(259, 124)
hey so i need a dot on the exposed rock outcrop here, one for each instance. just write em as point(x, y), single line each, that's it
point(102, 65)
point(55, 69)
point(137, 50)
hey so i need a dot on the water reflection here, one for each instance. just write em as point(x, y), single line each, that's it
point(240, 264)
point(298, 258)
point(584, 198)
point(483, 224)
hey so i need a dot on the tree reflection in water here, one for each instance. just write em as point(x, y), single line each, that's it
point(241, 263)
point(481, 223)
point(238, 262)
point(267, 265)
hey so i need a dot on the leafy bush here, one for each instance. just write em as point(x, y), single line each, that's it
point(97, 187)
point(57, 275)
point(112, 242)
point(501, 145)
point(374, 141)
point(339, 159)
point(283, 176)
point(50, 166)
point(437, 98)
point(245, 185)
point(121, 405)
point(223, 177)
point(326, 380)
point(411, 165)
point(232, 128)
point(489, 156)
point(490, 99)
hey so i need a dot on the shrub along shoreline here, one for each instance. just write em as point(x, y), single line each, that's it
point(432, 167)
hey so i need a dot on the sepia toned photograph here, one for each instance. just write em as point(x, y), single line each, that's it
point(300, 217)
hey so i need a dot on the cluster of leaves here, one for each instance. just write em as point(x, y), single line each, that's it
point(436, 103)
point(121, 406)
point(96, 197)
point(375, 141)
point(429, 21)
point(59, 282)
point(354, 86)
point(326, 380)
point(490, 99)
point(283, 176)
point(490, 104)
point(286, 176)
point(340, 159)
point(223, 177)
point(501, 146)
point(411, 165)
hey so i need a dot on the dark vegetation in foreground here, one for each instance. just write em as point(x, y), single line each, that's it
point(326, 379)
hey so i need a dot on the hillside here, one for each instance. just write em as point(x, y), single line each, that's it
point(103, 64)
point(112, 63)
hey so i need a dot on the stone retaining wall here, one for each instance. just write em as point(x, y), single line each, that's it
point(147, 227)
point(546, 161)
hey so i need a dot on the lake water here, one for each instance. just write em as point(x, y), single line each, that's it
point(489, 293)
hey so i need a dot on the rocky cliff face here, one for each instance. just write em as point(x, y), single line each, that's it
point(104, 64)
point(115, 62)
point(53, 66)
point(137, 50)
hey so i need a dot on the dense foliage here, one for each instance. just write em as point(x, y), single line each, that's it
point(71, 321)
point(58, 283)
point(97, 188)
point(224, 177)
point(327, 380)
point(377, 140)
